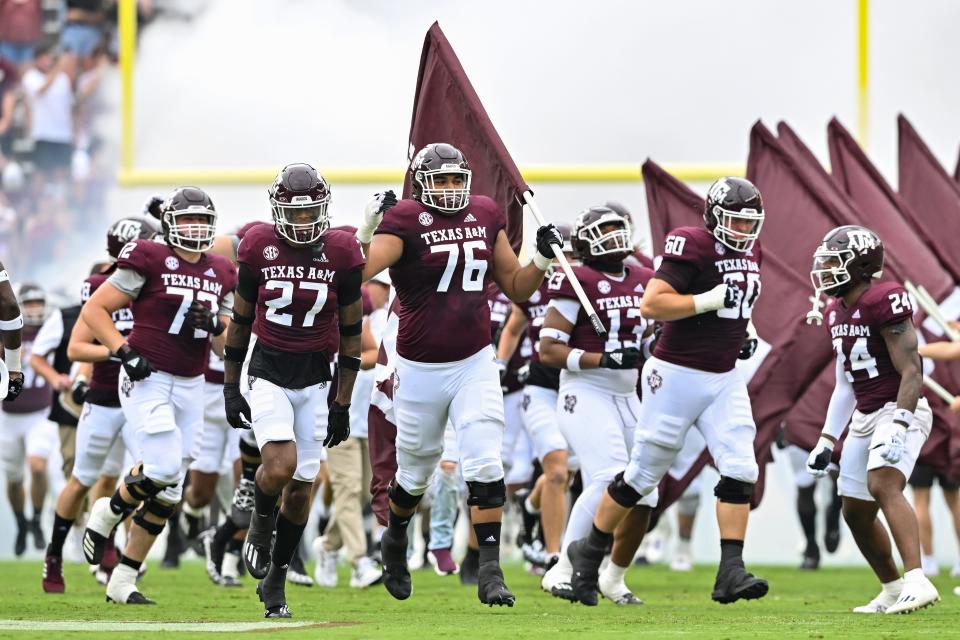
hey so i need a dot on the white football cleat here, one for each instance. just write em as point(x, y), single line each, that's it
point(878, 604)
point(325, 573)
point(616, 590)
point(916, 594)
point(365, 574)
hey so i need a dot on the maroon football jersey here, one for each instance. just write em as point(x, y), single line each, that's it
point(500, 306)
point(297, 305)
point(694, 261)
point(859, 344)
point(36, 394)
point(442, 277)
point(159, 331)
point(616, 300)
point(536, 310)
point(103, 380)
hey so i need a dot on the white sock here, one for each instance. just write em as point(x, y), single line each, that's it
point(195, 512)
point(613, 573)
point(893, 587)
point(914, 575)
point(122, 574)
point(231, 565)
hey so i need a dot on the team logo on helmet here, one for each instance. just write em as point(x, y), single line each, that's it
point(654, 381)
point(270, 252)
point(569, 402)
point(172, 263)
point(604, 287)
point(425, 219)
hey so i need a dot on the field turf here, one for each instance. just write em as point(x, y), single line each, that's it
point(799, 605)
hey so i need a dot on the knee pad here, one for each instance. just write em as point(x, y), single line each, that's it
point(733, 491)
point(141, 487)
point(487, 495)
point(399, 496)
point(156, 508)
point(249, 450)
point(622, 493)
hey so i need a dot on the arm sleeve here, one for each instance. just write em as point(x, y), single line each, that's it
point(128, 281)
point(226, 305)
point(566, 307)
point(248, 282)
point(841, 407)
point(348, 287)
point(49, 336)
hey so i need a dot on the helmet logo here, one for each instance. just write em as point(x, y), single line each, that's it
point(172, 263)
point(719, 190)
point(604, 287)
point(126, 230)
point(270, 252)
point(425, 219)
point(861, 241)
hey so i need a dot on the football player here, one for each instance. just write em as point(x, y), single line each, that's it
point(879, 378)
point(597, 404)
point(11, 327)
point(27, 437)
point(99, 449)
point(182, 298)
point(298, 281)
point(703, 293)
point(539, 412)
point(443, 247)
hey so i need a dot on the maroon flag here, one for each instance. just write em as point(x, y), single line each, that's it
point(446, 108)
point(792, 360)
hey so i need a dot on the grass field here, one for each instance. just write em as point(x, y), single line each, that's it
point(799, 605)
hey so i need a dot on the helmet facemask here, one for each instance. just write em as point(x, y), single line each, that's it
point(192, 236)
point(286, 215)
point(444, 200)
point(830, 274)
point(725, 231)
point(601, 243)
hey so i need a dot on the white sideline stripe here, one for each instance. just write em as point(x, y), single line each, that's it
point(88, 625)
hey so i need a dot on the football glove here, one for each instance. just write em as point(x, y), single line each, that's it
point(238, 411)
point(338, 424)
point(624, 358)
point(79, 390)
point(373, 214)
point(548, 236)
point(15, 386)
point(152, 207)
point(136, 366)
point(725, 295)
point(893, 446)
point(819, 458)
point(747, 349)
point(200, 316)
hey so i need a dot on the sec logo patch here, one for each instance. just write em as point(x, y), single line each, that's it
point(604, 287)
point(720, 249)
point(172, 263)
point(270, 252)
point(425, 219)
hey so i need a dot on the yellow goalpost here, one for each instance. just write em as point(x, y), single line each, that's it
point(130, 176)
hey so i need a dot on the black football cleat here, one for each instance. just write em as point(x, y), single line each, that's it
point(586, 561)
point(256, 546)
point(272, 593)
point(469, 567)
point(491, 588)
point(735, 583)
point(20, 544)
point(811, 560)
point(396, 574)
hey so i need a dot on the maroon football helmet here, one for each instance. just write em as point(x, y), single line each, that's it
point(590, 241)
point(127, 230)
point(299, 198)
point(440, 159)
point(188, 202)
point(734, 213)
point(847, 256)
point(33, 304)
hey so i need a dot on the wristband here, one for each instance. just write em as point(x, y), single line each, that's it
point(350, 330)
point(365, 234)
point(242, 320)
point(234, 354)
point(11, 358)
point(573, 359)
point(348, 362)
point(555, 334)
point(541, 261)
point(703, 302)
point(12, 325)
point(903, 417)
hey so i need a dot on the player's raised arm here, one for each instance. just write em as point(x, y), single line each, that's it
point(384, 251)
point(519, 283)
point(11, 327)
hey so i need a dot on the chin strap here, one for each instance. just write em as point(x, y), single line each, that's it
point(814, 316)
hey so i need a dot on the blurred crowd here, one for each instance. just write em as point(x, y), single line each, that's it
point(53, 168)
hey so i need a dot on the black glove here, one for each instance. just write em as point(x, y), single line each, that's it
point(152, 207)
point(548, 235)
point(238, 411)
point(748, 348)
point(136, 366)
point(733, 296)
point(338, 424)
point(624, 358)
point(78, 391)
point(15, 385)
point(388, 200)
point(200, 316)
